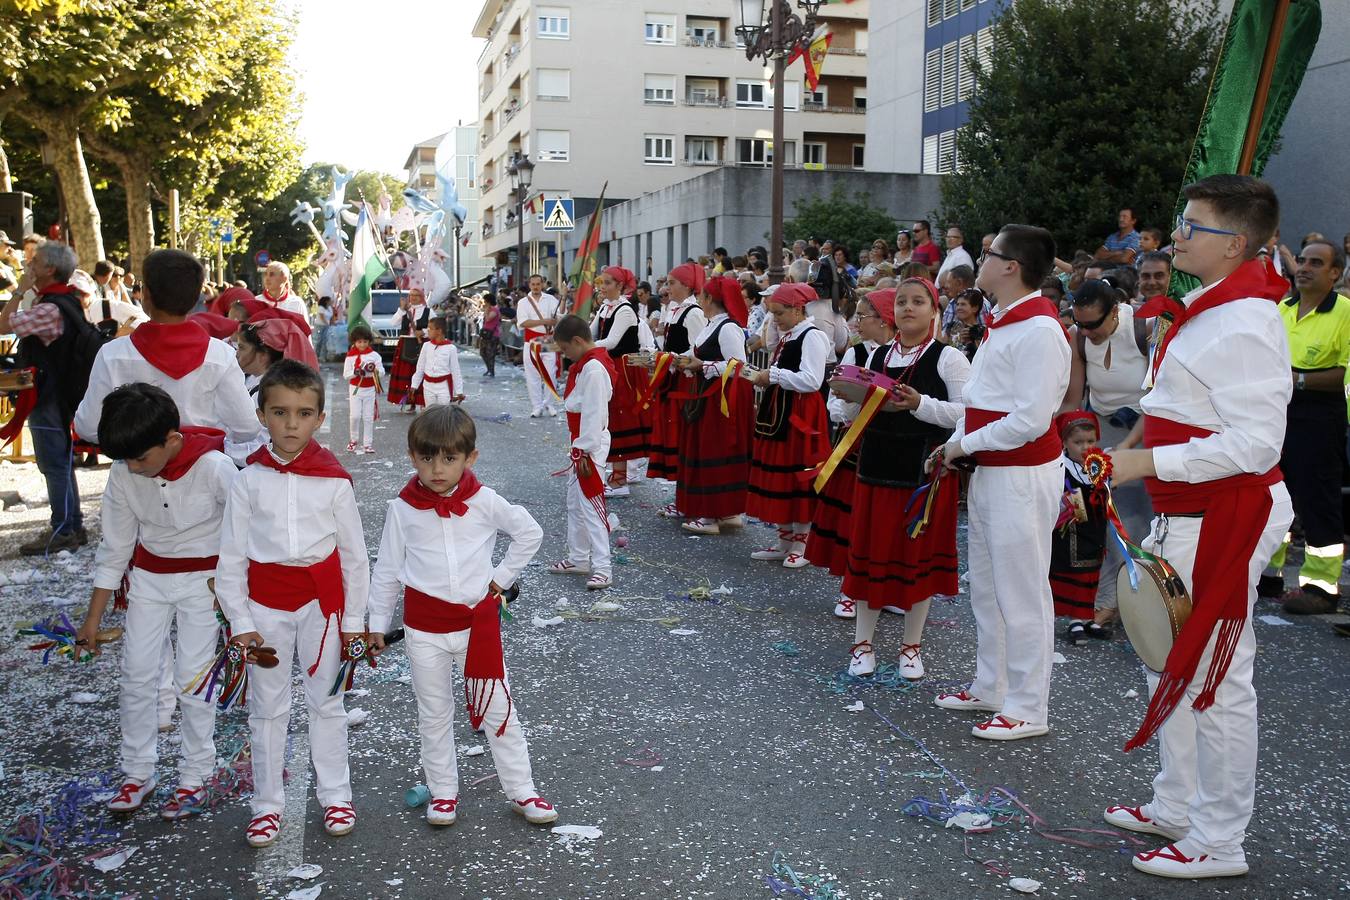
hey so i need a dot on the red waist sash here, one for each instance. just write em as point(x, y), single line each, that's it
point(289, 588)
point(362, 382)
point(1044, 449)
point(146, 561)
point(436, 379)
point(484, 663)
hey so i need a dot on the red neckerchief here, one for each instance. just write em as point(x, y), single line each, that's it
point(1039, 305)
point(276, 300)
point(1254, 278)
point(456, 503)
point(57, 287)
point(197, 442)
point(596, 353)
point(175, 349)
point(439, 343)
point(352, 351)
point(313, 461)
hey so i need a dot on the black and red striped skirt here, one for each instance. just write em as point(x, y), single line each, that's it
point(663, 450)
point(832, 522)
point(1074, 591)
point(400, 378)
point(886, 567)
point(715, 455)
point(629, 426)
point(782, 469)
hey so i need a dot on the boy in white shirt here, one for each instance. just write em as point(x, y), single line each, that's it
point(363, 370)
point(292, 560)
point(438, 540)
point(437, 370)
point(162, 512)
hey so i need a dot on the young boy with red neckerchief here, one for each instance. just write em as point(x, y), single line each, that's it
point(439, 534)
point(362, 369)
point(437, 372)
point(199, 372)
point(293, 573)
point(162, 512)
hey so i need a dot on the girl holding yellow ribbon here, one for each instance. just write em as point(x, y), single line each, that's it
point(684, 319)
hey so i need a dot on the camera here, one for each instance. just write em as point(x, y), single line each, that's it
point(975, 333)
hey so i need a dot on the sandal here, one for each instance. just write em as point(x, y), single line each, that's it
point(598, 582)
point(1101, 631)
point(1077, 633)
point(567, 567)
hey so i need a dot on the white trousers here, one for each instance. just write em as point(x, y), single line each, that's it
point(436, 394)
point(587, 533)
point(436, 659)
point(1012, 511)
point(168, 690)
point(361, 414)
point(297, 634)
point(153, 603)
point(1207, 771)
point(540, 398)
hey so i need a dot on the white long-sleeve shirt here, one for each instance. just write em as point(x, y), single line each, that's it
point(175, 519)
point(1022, 369)
point(450, 557)
point(590, 397)
point(212, 396)
point(844, 411)
point(954, 370)
point(288, 302)
point(295, 520)
point(694, 320)
point(120, 311)
point(352, 364)
point(730, 341)
point(1228, 372)
point(437, 361)
point(816, 349)
point(624, 319)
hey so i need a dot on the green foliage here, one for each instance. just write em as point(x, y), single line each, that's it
point(1086, 106)
point(853, 222)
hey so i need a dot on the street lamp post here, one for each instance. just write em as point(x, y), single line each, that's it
point(521, 171)
point(774, 40)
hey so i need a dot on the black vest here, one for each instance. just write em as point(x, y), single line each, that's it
point(772, 418)
point(629, 343)
point(677, 334)
point(53, 361)
point(711, 349)
point(896, 444)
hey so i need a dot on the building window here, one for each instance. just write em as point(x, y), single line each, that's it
point(967, 4)
point(858, 155)
point(984, 48)
point(660, 29)
point(703, 32)
point(554, 22)
point(966, 81)
point(759, 152)
point(752, 93)
point(553, 84)
point(658, 150)
point(702, 92)
point(946, 161)
point(819, 98)
point(659, 89)
point(934, 12)
point(701, 151)
point(792, 95)
point(813, 155)
point(949, 66)
point(860, 98)
point(930, 154)
point(950, 8)
point(932, 81)
point(553, 146)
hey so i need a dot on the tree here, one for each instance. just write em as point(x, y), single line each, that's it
point(1065, 130)
point(852, 223)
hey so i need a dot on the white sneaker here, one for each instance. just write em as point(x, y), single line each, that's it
point(184, 802)
point(770, 554)
point(442, 812)
point(262, 831)
point(846, 607)
point(862, 659)
point(611, 492)
point(550, 411)
point(911, 664)
point(598, 582)
point(131, 795)
point(670, 512)
point(536, 414)
point(536, 810)
point(567, 567)
point(965, 702)
point(339, 819)
point(1171, 862)
point(701, 526)
point(1133, 818)
point(1002, 728)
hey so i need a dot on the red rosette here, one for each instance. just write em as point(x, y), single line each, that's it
point(1097, 465)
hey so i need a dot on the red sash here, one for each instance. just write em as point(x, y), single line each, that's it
point(289, 588)
point(1044, 449)
point(362, 382)
point(1235, 512)
point(146, 561)
point(438, 379)
point(484, 665)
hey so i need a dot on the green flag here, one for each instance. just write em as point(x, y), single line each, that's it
point(584, 268)
point(367, 265)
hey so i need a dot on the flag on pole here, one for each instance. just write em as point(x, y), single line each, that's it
point(536, 204)
point(583, 270)
point(813, 55)
point(368, 264)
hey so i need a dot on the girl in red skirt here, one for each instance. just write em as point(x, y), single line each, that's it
point(1078, 546)
point(791, 429)
point(827, 545)
point(715, 446)
point(685, 319)
point(615, 327)
point(886, 567)
point(412, 318)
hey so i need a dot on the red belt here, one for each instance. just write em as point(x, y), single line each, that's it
point(1046, 448)
point(290, 588)
point(146, 561)
point(531, 334)
point(362, 382)
point(484, 666)
point(436, 379)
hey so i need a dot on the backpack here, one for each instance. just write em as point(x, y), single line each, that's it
point(85, 341)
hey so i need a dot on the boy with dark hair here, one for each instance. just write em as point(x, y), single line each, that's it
point(197, 371)
point(292, 560)
point(363, 370)
point(437, 370)
point(162, 513)
point(452, 612)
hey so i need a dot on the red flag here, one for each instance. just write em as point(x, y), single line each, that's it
point(583, 270)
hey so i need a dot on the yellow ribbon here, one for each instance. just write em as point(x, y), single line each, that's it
point(659, 368)
point(733, 367)
point(871, 406)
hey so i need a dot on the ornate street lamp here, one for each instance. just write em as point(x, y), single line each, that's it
point(521, 171)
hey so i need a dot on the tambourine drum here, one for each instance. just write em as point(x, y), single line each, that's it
point(643, 360)
point(853, 382)
point(1154, 614)
point(16, 380)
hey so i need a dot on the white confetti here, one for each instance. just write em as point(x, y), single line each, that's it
point(394, 882)
point(683, 632)
point(308, 872)
point(562, 603)
point(585, 832)
point(404, 679)
point(1059, 658)
point(358, 692)
point(357, 716)
point(721, 590)
point(308, 893)
point(1024, 885)
point(475, 750)
point(537, 622)
point(657, 769)
point(84, 697)
point(970, 821)
point(1274, 620)
point(605, 606)
point(1131, 694)
point(114, 860)
point(62, 601)
point(856, 706)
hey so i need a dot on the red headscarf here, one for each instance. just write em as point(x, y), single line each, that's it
point(280, 333)
point(1066, 420)
point(216, 325)
point(727, 291)
point(272, 312)
point(690, 275)
point(625, 277)
point(793, 294)
point(229, 297)
point(883, 301)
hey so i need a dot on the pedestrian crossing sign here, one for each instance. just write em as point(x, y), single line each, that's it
point(559, 214)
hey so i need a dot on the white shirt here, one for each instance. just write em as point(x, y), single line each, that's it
point(1228, 372)
point(590, 397)
point(288, 302)
point(449, 558)
point(1022, 369)
point(175, 519)
point(295, 520)
point(1122, 384)
point(843, 411)
point(730, 341)
point(212, 396)
point(953, 369)
point(351, 364)
point(323, 316)
point(957, 257)
point(545, 306)
point(824, 317)
point(121, 312)
point(412, 314)
point(624, 319)
point(437, 361)
point(816, 348)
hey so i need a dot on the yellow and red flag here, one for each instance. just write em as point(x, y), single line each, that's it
point(813, 56)
point(584, 268)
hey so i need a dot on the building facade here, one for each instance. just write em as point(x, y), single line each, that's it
point(454, 152)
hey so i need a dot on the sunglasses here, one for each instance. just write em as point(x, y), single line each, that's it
point(1091, 326)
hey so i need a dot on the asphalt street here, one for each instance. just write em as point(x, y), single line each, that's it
point(696, 717)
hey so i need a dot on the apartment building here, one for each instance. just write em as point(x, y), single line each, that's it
point(455, 153)
point(643, 94)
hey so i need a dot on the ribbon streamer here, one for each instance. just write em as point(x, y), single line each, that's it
point(730, 371)
point(353, 652)
point(60, 639)
point(917, 524)
point(660, 367)
point(537, 360)
point(224, 680)
point(871, 406)
point(1097, 465)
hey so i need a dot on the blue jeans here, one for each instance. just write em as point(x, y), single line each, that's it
point(52, 448)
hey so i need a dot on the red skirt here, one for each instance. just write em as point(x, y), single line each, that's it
point(629, 427)
point(400, 379)
point(832, 523)
point(1075, 592)
point(715, 456)
point(781, 471)
point(663, 451)
point(886, 567)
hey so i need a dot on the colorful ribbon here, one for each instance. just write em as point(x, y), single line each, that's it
point(225, 678)
point(871, 406)
point(537, 360)
point(60, 639)
point(732, 369)
point(353, 652)
point(1097, 465)
point(660, 367)
point(917, 524)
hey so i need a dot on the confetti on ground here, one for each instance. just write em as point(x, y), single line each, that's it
point(787, 648)
point(1274, 620)
point(306, 872)
point(113, 861)
point(1024, 885)
point(785, 882)
point(583, 832)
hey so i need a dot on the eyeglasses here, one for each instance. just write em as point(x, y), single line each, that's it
point(1003, 256)
point(1091, 326)
point(1185, 228)
point(868, 316)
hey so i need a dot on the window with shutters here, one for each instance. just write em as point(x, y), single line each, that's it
point(659, 89)
point(658, 149)
point(553, 146)
point(932, 80)
point(930, 154)
point(984, 47)
point(946, 153)
point(966, 81)
point(967, 4)
point(949, 67)
point(950, 8)
point(660, 29)
point(934, 12)
point(553, 84)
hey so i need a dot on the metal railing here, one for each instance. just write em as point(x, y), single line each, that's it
point(808, 106)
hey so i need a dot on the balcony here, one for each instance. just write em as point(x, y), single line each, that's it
point(811, 107)
point(705, 100)
point(846, 51)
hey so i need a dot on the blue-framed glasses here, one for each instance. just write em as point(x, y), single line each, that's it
point(1185, 228)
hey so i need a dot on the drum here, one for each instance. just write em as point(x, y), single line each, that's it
point(852, 383)
point(1154, 614)
point(643, 360)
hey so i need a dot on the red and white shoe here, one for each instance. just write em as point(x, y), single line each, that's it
point(862, 659)
point(846, 607)
point(263, 830)
point(184, 802)
point(911, 663)
point(369, 450)
point(770, 554)
point(1133, 818)
point(1171, 862)
point(598, 582)
point(567, 567)
point(536, 810)
point(351, 447)
point(702, 526)
point(1002, 728)
point(795, 560)
point(131, 795)
point(339, 819)
point(964, 701)
point(669, 512)
point(441, 811)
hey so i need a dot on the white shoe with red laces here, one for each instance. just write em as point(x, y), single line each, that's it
point(770, 554)
point(131, 795)
point(702, 526)
point(351, 447)
point(911, 663)
point(964, 701)
point(862, 659)
point(1134, 818)
point(442, 812)
point(1172, 862)
point(184, 802)
point(846, 607)
point(567, 567)
point(796, 560)
point(669, 512)
point(339, 819)
point(1002, 728)
point(263, 830)
point(536, 810)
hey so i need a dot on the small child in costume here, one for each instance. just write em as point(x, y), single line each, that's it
point(439, 534)
point(1078, 546)
point(437, 372)
point(364, 371)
